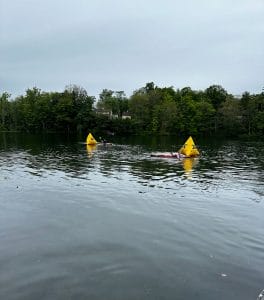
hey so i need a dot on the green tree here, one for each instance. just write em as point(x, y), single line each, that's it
point(231, 117)
point(139, 110)
point(4, 107)
point(258, 120)
point(121, 103)
point(248, 111)
point(81, 108)
point(44, 112)
point(106, 102)
point(112, 102)
point(204, 117)
point(216, 95)
point(26, 106)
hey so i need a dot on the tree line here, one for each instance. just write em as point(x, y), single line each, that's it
point(149, 110)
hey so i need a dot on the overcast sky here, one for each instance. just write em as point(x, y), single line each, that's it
point(123, 44)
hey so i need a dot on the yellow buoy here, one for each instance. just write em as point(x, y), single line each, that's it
point(189, 149)
point(90, 140)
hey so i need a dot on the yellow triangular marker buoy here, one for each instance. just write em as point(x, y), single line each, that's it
point(189, 149)
point(90, 140)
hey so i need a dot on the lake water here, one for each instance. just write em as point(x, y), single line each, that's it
point(112, 222)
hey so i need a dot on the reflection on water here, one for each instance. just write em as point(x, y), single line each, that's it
point(111, 222)
point(188, 164)
point(225, 166)
point(90, 149)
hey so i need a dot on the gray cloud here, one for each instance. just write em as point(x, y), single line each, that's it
point(121, 45)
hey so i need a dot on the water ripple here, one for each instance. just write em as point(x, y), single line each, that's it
point(73, 217)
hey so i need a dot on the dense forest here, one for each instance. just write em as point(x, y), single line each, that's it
point(149, 110)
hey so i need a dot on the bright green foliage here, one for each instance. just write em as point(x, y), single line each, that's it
point(139, 110)
point(112, 103)
point(153, 110)
point(53, 111)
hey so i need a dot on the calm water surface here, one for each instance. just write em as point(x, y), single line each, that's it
point(114, 223)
